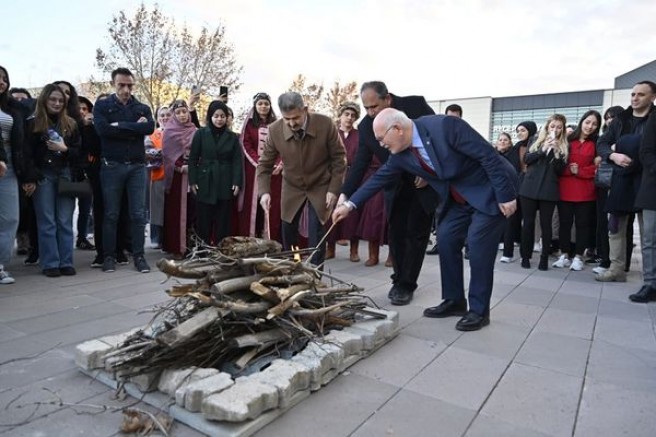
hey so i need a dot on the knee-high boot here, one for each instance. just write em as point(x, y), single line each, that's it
point(354, 250)
point(373, 254)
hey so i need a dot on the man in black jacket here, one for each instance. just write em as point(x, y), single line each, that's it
point(620, 146)
point(647, 201)
point(122, 122)
point(409, 203)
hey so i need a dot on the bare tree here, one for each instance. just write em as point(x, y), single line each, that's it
point(168, 61)
point(339, 94)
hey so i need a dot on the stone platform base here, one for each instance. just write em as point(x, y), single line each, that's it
point(214, 403)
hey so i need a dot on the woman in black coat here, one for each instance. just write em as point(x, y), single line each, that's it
point(545, 161)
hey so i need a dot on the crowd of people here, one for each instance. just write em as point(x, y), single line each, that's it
point(403, 172)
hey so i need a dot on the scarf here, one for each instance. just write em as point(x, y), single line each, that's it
point(176, 142)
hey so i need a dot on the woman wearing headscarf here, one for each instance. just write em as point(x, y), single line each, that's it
point(215, 174)
point(253, 137)
point(178, 206)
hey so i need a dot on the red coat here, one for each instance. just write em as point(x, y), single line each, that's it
point(579, 187)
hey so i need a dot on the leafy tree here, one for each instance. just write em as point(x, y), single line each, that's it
point(168, 61)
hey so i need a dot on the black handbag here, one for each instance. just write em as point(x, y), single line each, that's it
point(66, 187)
point(604, 175)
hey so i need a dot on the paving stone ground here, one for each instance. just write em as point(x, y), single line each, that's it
point(563, 356)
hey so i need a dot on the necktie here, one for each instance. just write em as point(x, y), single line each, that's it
point(454, 193)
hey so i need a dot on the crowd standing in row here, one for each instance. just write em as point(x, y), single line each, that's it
point(281, 178)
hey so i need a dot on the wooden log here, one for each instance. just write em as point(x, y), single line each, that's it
point(286, 304)
point(286, 293)
point(241, 307)
point(264, 292)
point(287, 279)
point(258, 339)
point(189, 328)
point(171, 268)
point(234, 284)
point(221, 275)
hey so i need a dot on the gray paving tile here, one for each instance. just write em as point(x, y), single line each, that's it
point(143, 299)
point(618, 291)
point(584, 286)
point(436, 330)
point(560, 353)
point(335, 410)
point(7, 333)
point(67, 317)
point(569, 302)
point(624, 310)
point(459, 377)
point(552, 412)
point(551, 280)
point(399, 360)
point(25, 346)
point(626, 333)
point(42, 397)
point(408, 314)
point(32, 307)
point(498, 339)
point(530, 296)
point(608, 409)
point(525, 316)
point(24, 372)
point(484, 426)
point(410, 414)
point(514, 277)
point(566, 322)
point(627, 367)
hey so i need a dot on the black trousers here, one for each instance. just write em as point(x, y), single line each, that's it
point(512, 232)
point(408, 234)
point(316, 232)
point(579, 213)
point(213, 221)
point(530, 208)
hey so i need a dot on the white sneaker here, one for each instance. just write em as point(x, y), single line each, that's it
point(562, 262)
point(5, 277)
point(506, 259)
point(577, 264)
point(599, 270)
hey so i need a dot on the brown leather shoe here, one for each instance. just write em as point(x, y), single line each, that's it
point(389, 262)
point(330, 251)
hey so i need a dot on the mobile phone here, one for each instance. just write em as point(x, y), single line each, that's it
point(223, 93)
point(195, 89)
point(552, 135)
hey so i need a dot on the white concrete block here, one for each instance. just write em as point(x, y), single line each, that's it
point(91, 354)
point(246, 399)
point(196, 391)
point(287, 376)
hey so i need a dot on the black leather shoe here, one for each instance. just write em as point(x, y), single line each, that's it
point(401, 297)
point(526, 263)
point(646, 294)
point(52, 273)
point(433, 250)
point(472, 322)
point(447, 308)
point(544, 263)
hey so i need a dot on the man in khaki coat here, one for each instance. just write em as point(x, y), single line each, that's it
point(314, 162)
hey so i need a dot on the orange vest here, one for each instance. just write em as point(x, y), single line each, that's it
point(157, 174)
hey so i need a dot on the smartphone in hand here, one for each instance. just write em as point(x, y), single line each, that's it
point(195, 90)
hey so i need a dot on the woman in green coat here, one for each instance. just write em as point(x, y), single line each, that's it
point(215, 174)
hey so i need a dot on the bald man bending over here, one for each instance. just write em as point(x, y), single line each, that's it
point(479, 189)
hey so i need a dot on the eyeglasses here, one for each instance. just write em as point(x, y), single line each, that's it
point(381, 140)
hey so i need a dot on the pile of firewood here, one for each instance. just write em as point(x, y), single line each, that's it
point(250, 304)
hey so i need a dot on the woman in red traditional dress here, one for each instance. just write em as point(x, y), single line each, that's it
point(178, 203)
point(254, 133)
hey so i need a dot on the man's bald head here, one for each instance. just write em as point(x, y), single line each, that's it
point(393, 129)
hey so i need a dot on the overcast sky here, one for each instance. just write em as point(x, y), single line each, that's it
point(438, 48)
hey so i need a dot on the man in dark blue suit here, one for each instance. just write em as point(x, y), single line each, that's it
point(479, 189)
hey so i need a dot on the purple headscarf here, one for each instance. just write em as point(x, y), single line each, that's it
point(176, 142)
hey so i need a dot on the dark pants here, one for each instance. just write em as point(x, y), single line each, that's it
point(117, 178)
point(84, 214)
point(581, 214)
point(512, 232)
point(482, 232)
point(530, 208)
point(603, 248)
point(316, 232)
point(408, 234)
point(213, 220)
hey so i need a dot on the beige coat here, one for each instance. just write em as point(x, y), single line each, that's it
point(312, 166)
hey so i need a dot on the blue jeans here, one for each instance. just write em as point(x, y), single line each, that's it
point(649, 247)
point(8, 214)
point(54, 221)
point(115, 178)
